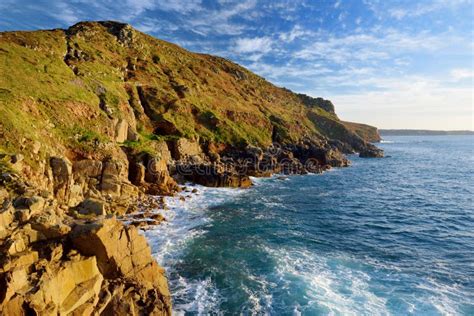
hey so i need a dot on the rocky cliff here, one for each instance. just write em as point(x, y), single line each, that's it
point(96, 118)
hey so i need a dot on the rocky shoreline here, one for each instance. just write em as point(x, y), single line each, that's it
point(99, 119)
point(65, 247)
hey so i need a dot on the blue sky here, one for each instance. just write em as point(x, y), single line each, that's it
point(390, 63)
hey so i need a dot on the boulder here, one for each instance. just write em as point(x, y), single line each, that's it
point(21, 260)
point(49, 224)
point(161, 147)
point(6, 219)
point(121, 131)
point(27, 207)
point(214, 175)
point(136, 173)
point(63, 290)
point(20, 239)
point(87, 168)
point(92, 206)
point(111, 177)
point(371, 151)
point(62, 178)
point(121, 252)
point(132, 135)
point(183, 149)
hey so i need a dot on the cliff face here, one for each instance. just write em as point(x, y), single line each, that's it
point(100, 82)
point(95, 118)
point(366, 132)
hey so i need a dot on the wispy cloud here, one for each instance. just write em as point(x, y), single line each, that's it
point(297, 32)
point(462, 74)
point(369, 47)
point(256, 44)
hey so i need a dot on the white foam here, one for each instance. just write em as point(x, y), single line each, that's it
point(324, 284)
point(185, 221)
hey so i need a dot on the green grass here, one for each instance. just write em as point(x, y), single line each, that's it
point(41, 97)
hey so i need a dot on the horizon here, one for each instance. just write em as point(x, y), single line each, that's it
point(335, 50)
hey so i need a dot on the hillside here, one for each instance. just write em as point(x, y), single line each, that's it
point(70, 88)
point(364, 131)
point(97, 120)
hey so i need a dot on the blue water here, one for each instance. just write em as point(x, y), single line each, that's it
point(392, 236)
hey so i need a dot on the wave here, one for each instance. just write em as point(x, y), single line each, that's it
point(185, 221)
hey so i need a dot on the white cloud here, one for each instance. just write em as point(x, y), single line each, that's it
point(65, 13)
point(371, 47)
point(409, 102)
point(251, 45)
point(461, 74)
point(296, 32)
point(180, 6)
point(220, 21)
point(413, 9)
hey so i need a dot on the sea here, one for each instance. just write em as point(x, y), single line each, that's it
point(390, 236)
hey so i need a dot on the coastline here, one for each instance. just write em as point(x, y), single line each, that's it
point(338, 270)
point(124, 128)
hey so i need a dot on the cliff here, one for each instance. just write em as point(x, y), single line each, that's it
point(96, 118)
point(366, 132)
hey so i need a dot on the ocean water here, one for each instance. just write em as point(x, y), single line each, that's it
point(392, 236)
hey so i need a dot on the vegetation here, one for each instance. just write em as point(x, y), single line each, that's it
point(69, 88)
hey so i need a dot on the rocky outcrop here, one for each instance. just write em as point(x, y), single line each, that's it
point(122, 253)
point(59, 257)
point(366, 132)
point(101, 267)
point(184, 149)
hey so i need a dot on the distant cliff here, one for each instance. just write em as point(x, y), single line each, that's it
point(421, 132)
point(367, 132)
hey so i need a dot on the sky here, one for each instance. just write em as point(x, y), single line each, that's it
point(388, 63)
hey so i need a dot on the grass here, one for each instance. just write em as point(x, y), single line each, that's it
point(42, 98)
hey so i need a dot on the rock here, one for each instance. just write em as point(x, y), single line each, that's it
point(214, 175)
point(27, 207)
point(20, 239)
point(17, 158)
point(161, 147)
point(6, 219)
point(121, 252)
point(92, 206)
point(121, 131)
point(371, 152)
point(132, 135)
point(21, 260)
point(62, 178)
point(183, 148)
point(13, 281)
point(4, 195)
point(13, 307)
point(111, 177)
point(49, 224)
point(36, 147)
point(87, 168)
point(64, 290)
point(137, 173)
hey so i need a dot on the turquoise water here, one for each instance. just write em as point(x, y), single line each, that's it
point(391, 236)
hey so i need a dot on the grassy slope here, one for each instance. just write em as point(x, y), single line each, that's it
point(57, 87)
point(367, 132)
